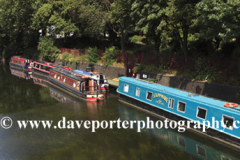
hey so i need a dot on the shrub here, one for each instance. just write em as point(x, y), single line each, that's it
point(135, 39)
point(65, 56)
point(47, 48)
point(205, 71)
point(139, 68)
point(109, 56)
point(92, 55)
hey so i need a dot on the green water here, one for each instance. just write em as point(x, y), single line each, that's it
point(21, 99)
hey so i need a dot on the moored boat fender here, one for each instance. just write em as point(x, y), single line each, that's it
point(230, 105)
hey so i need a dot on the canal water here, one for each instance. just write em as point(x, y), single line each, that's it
point(34, 99)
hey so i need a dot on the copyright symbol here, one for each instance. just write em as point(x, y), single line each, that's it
point(6, 122)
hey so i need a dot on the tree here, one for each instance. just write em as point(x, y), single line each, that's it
point(120, 19)
point(181, 15)
point(16, 35)
point(150, 18)
point(78, 16)
point(218, 20)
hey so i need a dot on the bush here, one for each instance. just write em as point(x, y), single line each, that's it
point(92, 55)
point(65, 56)
point(135, 39)
point(139, 68)
point(109, 56)
point(205, 71)
point(47, 48)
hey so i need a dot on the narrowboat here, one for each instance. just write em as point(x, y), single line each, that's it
point(81, 86)
point(43, 67)
point(21, 63)
point(39, 80)
point(61, 97)
point(21, 74)
point(180, 105)
point(197, 146)
point(99, 77)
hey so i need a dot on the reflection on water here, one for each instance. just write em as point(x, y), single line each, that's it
point(23, 99)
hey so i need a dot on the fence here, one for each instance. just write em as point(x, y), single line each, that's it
point(224, 67)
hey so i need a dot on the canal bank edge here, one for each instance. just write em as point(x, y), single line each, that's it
point(212, 90)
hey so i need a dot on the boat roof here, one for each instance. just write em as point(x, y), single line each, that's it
point(83, 72)
point(179, 93)
point(68, 73)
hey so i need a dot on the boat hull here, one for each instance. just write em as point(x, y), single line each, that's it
point(75, 93)
point(19, 67)
point(160, 112)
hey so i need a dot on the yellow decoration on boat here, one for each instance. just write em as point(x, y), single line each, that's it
point(159, 102)
point(155, 95)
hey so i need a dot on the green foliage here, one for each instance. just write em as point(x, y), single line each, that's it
point(135, 39)
point(205, 71)
point(92, 55)
point(82, 58)
point(109, 56)
point(139, 68)
point(65, 56)
point(47, 49)
point(31, 53)
point(15, 32)
point(151, 68)
point(72, 58)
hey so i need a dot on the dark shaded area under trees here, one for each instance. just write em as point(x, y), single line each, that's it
point(189, 28)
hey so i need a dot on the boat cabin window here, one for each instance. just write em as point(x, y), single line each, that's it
point(58, 77)
point(149, 96)
point(201, 151)
point(228, 122)
point(181, 142)
point(83, 86)
point(170, 135)
point(55, 75)
point(64, 80)
point(181, 106)
point(137, 92)
point(126, 88)
point(225, 158)
point(171, 103)
point(74, 84)
point(47, 68)
point(42, 67)
point(201, 113)
point(101, 79)
point(36, 65)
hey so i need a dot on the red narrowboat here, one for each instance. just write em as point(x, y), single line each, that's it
point(41, 81)
point(21, 74)
point(81, 86)
point(21, 63)
point(99, 77)
point(44, 67)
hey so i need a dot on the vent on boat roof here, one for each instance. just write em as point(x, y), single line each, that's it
point(191, 94)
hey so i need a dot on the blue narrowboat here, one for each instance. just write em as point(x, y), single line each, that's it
point(178, 105)
point(99, 77)
point(199, 147)
point(21, 63)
